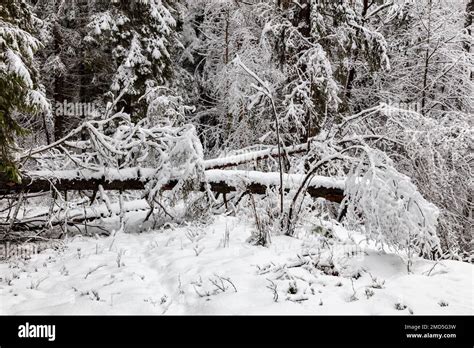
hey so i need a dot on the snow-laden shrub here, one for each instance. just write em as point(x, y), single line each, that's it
point(198, 208)
point(266, 213)
point(268, 219)
point(437, 155)
point(389, 209)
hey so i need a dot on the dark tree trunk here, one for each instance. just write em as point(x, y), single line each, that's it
point(7, 187)
point(59, 88)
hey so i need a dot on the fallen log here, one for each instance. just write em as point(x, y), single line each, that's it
point(81, 215)
point(232, 161)
point(220, 181)
point(254, 156)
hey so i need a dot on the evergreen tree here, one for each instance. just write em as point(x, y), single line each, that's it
point(19, 88)
point(63, 57)
point(96, 48)
point(133, 39)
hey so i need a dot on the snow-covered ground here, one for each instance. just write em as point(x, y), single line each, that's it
point(193, 270)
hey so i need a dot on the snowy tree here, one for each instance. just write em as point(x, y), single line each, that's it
point(134, 38)
point(65, 62)
point(308, 52)
point(430, 64)
point(431, 79)
point(390, 209)
point(20, 91)
point(436, 155)
point(95, 49)
point(324, 45)
point(214, 33)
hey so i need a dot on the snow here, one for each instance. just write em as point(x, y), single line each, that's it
point(16, 66)
point(172, 270)
point(38, 100)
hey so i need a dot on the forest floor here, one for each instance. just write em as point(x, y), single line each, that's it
point(195, 269)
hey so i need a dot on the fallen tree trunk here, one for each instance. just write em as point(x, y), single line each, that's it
point(82, 215)
point(219, 181)
point(232, 161)
point(255, 156)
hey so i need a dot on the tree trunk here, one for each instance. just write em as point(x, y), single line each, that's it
point(427, 61)
point(469, 15)
point(59, 89)
point(70, 183)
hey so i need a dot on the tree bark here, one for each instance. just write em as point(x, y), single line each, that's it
point(29, 185)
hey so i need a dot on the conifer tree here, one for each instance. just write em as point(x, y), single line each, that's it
point(135, 38)
point(19, 88)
